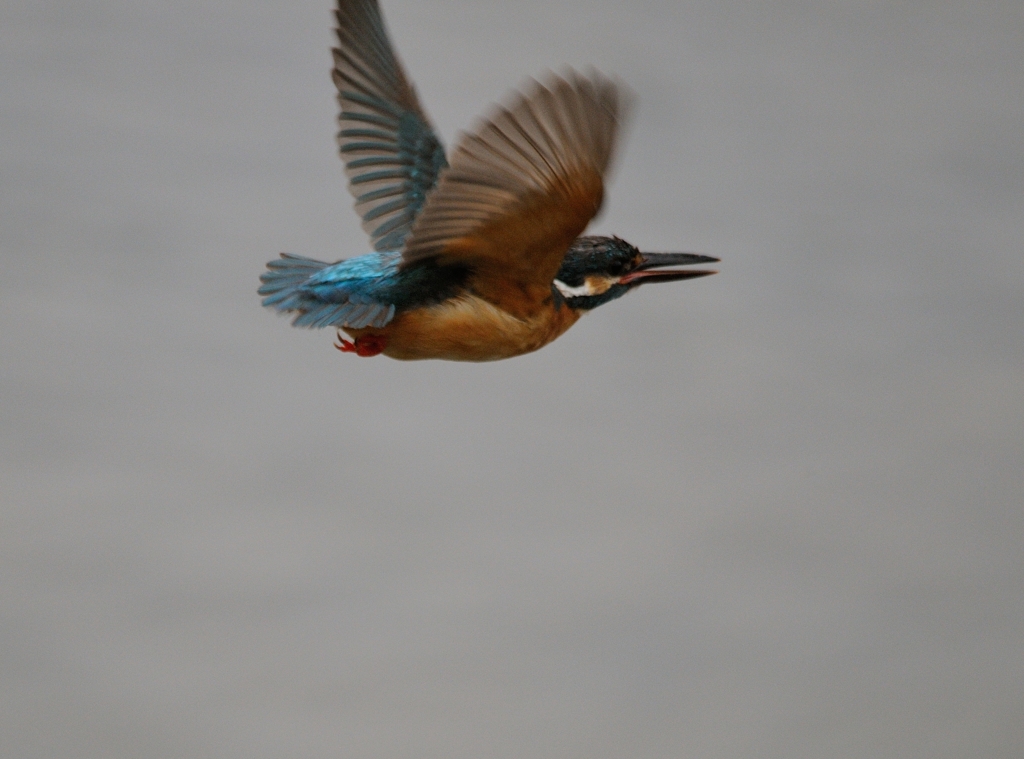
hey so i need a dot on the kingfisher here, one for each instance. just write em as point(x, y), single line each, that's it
point(477, 257)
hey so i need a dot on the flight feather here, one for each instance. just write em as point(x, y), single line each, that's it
point(525, 183)
point(392, 155)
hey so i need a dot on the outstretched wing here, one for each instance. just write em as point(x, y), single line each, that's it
point(391, 154)
point(522, 187)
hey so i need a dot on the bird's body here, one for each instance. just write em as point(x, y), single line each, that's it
point(475, 261)
point(467, 328)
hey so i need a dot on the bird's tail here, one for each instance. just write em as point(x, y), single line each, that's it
point(282, 280)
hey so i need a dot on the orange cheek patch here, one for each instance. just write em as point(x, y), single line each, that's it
point(598, 285)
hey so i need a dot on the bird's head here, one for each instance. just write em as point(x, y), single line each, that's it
point(596, 270)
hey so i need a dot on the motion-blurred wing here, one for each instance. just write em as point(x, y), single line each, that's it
point(523, 185)
point(391, 154)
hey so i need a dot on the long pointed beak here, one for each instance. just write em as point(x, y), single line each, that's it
point(650, 269)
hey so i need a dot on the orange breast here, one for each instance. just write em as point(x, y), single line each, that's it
point(469, 328)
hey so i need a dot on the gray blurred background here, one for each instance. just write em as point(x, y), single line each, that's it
point(773, 513)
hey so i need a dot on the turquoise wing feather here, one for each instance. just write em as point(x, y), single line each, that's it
point(392, 155)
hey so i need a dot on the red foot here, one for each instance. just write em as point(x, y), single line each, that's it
point(365, 345)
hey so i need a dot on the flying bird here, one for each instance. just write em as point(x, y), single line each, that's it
point(477, 257)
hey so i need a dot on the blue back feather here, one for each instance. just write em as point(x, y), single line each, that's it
point(365, 291)
point(351, 293)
